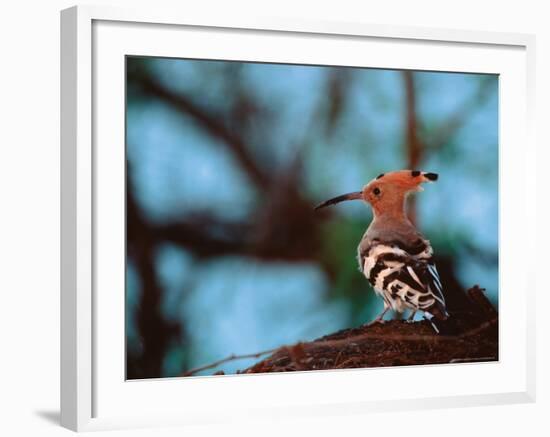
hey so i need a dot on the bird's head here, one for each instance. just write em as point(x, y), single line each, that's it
point(387, 192)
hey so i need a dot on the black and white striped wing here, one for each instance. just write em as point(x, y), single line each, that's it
point(418, 283)
point(412, 278)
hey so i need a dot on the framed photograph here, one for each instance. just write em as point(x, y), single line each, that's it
point(264, 218)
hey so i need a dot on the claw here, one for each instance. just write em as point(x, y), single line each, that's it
point(377, 321)
point(380, 318)
point(410, 319)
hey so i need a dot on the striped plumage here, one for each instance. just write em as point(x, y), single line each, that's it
point(395, 258)
point(404, 276)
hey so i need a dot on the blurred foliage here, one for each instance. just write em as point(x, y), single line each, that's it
point(225, 163)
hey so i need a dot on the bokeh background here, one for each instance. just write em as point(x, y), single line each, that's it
point(225, 162)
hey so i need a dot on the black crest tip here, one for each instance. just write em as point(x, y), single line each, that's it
point(431, 176)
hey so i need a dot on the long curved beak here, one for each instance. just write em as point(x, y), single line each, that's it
point(356, 195)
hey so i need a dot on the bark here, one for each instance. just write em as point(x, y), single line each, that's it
point(474, 337)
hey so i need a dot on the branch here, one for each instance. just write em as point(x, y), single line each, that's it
point(455, 121)
point(155, 332)
point(211, 124)
point(390, 344)
point(206, 236)
point(191, 236)
point(231, 357)
point(414, 147)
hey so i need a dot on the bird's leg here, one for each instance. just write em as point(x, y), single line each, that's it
point(380, 318)
point(410, 319)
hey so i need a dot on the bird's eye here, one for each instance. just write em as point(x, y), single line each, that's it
point(376, 191)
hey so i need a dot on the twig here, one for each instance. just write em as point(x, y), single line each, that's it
point(231, 357)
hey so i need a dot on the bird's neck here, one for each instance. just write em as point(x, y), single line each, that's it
point(391, 225)
point(393, 209)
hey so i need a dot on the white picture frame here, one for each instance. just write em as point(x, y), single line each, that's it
point(93, 396)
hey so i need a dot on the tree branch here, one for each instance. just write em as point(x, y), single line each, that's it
point(231, 357)
point(413, 145)
point(211, 124)
point(392, 343)
point(456, 120)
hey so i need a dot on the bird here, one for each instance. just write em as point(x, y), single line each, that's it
point(393, 255)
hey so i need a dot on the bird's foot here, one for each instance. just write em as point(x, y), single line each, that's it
point(377, 321)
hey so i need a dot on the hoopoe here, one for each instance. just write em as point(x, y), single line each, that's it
point(393, 255)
